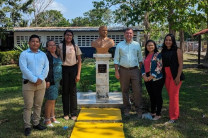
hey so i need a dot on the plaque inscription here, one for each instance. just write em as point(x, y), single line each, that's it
point(102, 68)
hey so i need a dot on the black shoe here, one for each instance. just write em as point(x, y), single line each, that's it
point(27, 131)
point(39, 127)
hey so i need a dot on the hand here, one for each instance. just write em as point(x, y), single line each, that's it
point(145, 78)
point(150, 78)
point(38, 82)
point(77, 78)
point(177, 80)
point(47, 85)
point(117, 75)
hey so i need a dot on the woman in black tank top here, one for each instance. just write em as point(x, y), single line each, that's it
point(172, 58)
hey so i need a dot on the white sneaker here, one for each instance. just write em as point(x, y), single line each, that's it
point(50, 125)
point(56, 122)
point(156, 118)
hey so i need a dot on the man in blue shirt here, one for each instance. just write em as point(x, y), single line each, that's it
point(34, 66)
point(128, 57)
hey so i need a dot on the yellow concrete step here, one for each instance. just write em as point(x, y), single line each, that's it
point(99, 114)
point(97, 130)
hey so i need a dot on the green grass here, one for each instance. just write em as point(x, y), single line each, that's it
point(193, 105)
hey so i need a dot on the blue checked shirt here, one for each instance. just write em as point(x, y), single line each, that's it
point(33, 65)
point(128, 55)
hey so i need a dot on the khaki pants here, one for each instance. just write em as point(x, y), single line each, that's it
point(33, 98)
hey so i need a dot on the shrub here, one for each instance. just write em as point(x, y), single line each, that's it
point(9, 57)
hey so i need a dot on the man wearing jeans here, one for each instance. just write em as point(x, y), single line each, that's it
point(34, 66)
point(127, 58)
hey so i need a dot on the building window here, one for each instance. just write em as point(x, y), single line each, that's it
point(56, 39)
point(85, 41)
point(23, 39)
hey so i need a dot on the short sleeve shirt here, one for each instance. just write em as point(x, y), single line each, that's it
point(70, 59)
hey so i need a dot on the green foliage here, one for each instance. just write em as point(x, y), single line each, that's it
point(12, 12)
point(9, 57)
point(25, 46)
point(50, 18)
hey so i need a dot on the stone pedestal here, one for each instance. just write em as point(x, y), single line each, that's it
point(102, 77)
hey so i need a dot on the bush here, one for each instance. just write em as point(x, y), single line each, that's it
point(9, 57)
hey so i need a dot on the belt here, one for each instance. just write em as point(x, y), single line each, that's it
point(25, 81)
point(130, 68)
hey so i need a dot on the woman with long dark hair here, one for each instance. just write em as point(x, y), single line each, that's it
point(71, 69)
point(172, 58)
point(153, 77)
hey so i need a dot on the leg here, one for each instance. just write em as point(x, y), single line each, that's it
point(73, 92)
point(150, 90)
point(65, 90)
point(38, 100)
point(48, 109)
point(28, 95)
point(174, 100)
point(136, 87)
point(157, 86)
point(124, 82)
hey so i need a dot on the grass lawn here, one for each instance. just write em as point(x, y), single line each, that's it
point(193, 121)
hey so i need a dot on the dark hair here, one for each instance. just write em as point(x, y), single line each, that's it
point(49, 41)
point(34, 36)
point(146, 51)
point(174, 45)
point(64, 43)
point(127, 29)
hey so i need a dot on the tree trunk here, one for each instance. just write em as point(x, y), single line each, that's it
point(171, 22)
point(182, 43)
point(147, 27)
point(206, 56)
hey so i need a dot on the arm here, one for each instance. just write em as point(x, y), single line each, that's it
point(143, 73)
point(45, 70)
point(50, 73)
point(140, 58)
point(116, 62)
point(180, 67)
point(117, 75)
point(25, 71)
point(79, 68)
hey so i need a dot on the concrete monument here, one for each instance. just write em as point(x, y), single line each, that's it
point(102, 45)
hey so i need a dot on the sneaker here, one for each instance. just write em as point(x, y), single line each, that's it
point(27, 131)
point(74, 118)
point(66, 117)
point(170, 121)
point(53, 120)
point(50, 125)
point(39, 127)
point(156, 118)
point(126, 113)
point(56, 122)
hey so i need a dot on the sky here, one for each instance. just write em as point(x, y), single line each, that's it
point(72, 8)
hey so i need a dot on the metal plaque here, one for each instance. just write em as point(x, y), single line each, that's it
point(102, 68)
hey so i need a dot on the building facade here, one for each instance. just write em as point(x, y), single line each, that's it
point(83, 36)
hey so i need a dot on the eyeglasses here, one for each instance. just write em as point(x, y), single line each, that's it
point(51, 45)
point(68, 35)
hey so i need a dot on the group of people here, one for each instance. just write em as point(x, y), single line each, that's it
point(44, 73)
point(157, 69)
